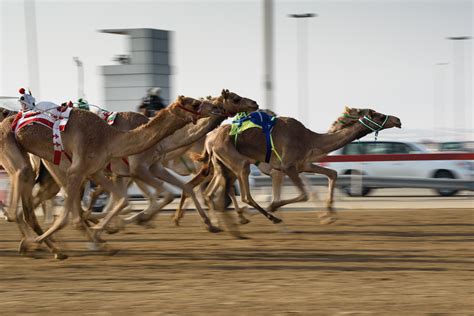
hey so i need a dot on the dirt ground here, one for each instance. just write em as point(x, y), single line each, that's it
point(369, 262)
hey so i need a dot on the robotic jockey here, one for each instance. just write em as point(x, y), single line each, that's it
point(27, 101)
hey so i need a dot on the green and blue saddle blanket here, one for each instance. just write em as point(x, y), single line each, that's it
point(258, 119)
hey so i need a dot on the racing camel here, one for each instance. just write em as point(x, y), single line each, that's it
point(147, 168)
point(16, 162)
point(347, 118)
point(298, 147)
point(91, 144)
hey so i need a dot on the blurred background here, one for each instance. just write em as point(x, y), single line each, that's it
point(412, 59)
point(305, 59)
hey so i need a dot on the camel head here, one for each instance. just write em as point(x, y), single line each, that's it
point(350, 116)
point(234, 103)
point(376, 121)
point(192, 109)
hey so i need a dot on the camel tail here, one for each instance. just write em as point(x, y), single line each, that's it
point(202, 157)
point(43, 173)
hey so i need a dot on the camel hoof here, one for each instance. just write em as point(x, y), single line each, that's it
point(244, 221)
point(112, 230)
point(116, 227)
point(327, 220)
point(142, 219)
point(60, 256)
point(23, 247)
point(213, 229)
point(10, 219)
point(176, 221)
point(112, 251)
point(87, 214)
point(276, 220)
point(271, 209)
point(146, 223)
point(96, 246)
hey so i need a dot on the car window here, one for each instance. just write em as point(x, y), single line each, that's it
point(353, 149)
point(451, 146)
point(378, 148)
point(400, 148)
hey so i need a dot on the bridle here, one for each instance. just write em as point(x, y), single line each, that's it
point(366, 121)
point(196, 114)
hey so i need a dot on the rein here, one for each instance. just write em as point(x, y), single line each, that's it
point(196, 113)
point(188, 110)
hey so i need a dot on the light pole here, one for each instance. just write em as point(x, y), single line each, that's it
point(302, 62)
point(80, 78)
point(268, 52)
point(460, 93)
point(439, 97)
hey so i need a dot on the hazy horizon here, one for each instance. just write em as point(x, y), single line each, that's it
point(378, 54)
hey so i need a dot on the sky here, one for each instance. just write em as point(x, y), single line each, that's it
point(381, 54)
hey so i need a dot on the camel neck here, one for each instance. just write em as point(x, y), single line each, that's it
point(322, 144)
point(190, 134)
point(140, 139)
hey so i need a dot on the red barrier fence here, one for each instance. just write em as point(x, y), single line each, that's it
point(399, 157)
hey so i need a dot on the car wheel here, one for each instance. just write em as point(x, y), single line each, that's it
point(445, 174)
point(351, 191)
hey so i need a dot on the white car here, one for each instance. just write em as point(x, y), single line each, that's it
point(451, 169)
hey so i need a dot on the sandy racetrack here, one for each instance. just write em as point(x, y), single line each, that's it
point(369, 262)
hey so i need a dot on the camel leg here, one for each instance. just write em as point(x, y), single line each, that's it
point(159, 171)
point(144, 217)
point(195, 181)
point(75, 179)
point(277, 183)
point(48, 189)
point(222, 183)
point(27, 201)
point(26, 214)
point(24, 178)
point(93, 195)
point(14, 197)
point(313, 194)
point(240, 210)
point(151, 197)
point(154, 196)
point(118, 195)
point(143, 174)
point(11, 160)
point(293, 175)
point(246, 197)
point(240, 165)
point(329, 216)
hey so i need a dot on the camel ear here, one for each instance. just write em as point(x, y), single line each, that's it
point(347, 109)
point(225, 93)
point(181, 99)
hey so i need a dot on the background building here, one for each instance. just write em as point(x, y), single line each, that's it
point(147, 65)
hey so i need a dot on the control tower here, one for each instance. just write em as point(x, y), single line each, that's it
point(146, 66)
